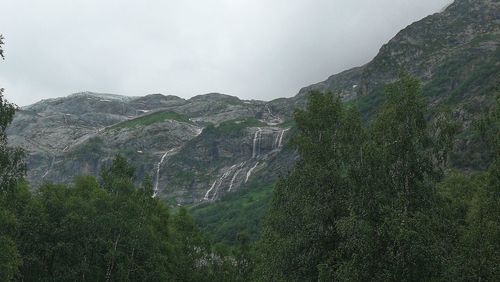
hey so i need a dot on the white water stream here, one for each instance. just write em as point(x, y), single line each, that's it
point(210, 190)
point(256, 137)
point(249, 173)
point(236, 170)
point(216, 185)
point(281, 137)
point(158, 166)
point(240, 168)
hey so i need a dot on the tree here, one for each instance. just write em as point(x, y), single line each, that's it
point(85, 232)
point(407, 156)
point(300, 231)
point(360, 204)
point(477, 254)
point(119, 176)
point(1, 49)
point(190, 247)
point(12, 167)
point(12, 170)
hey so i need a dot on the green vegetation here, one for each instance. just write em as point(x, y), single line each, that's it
point(369, 104)
point(237, 125)
point(287, 124)
point(369, 203)
point(184, 178)
point(108, 231)
point(151, 119)
point(11, 172)
point(236, 212)
point(455, 78)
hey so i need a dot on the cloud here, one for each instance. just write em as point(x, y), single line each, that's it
point(254, 49)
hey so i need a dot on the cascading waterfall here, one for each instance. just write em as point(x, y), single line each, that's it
point(277, 144)
point(256, 137)
point(221, 179)
point(276, 141)
point(259, 147)
point(249, 173)
point(216, 185)
point(240, 168)
point(281, 137)
point(210, 190)
point(269, 110)
point(157, 179)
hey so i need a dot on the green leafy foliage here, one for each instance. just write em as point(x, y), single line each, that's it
point(299, 231)
point(12, 170)
point(361, 204)
point(108, 231)
point(237, 212)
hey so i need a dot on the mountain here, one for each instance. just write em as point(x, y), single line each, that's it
point(193, 149)
point(454, 53)
point(199, 149)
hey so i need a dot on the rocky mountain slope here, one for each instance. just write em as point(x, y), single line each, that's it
point(194, 150)
point(198, 149)
point(451, 52)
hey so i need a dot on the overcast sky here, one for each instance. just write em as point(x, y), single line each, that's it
point(253, 49)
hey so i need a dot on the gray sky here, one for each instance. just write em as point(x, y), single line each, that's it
point(253, 49)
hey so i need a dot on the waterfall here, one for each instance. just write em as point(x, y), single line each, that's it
point(199, 130)
point(260, 144)
point(232, 173)
point(236, 175)
point(50, 167)
point(281, 137)
point(219, 183)
point(157, 179)
point(276, 141)
point(210, 190)
point(249, 173)
point(269, 110)
point(257, 136)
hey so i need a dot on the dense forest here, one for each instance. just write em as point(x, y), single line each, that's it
point(368, 201)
